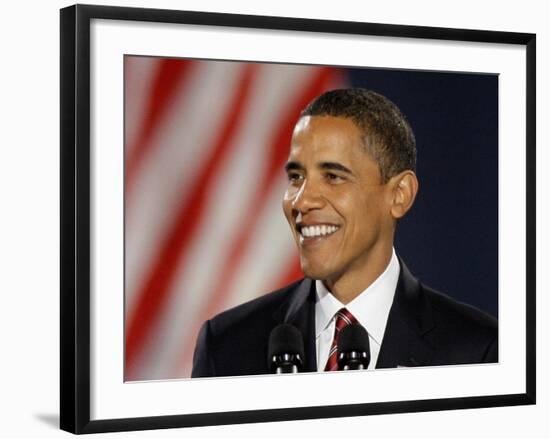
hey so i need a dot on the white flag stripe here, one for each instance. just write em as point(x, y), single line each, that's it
point(234, 192)
point(139, 73)
point(180, 148)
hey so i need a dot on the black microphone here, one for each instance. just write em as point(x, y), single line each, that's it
point(353, 348)
point(286, 349)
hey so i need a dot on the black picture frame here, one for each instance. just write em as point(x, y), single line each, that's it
point(75, 217)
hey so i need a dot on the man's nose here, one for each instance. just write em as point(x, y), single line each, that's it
point(308, 197)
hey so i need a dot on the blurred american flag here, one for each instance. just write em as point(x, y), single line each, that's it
point(205, 146)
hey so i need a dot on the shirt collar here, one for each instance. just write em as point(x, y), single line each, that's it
point(370, 308)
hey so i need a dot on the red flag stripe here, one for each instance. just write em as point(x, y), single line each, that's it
point(156, 287)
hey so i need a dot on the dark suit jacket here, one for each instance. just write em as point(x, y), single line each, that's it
point(424, 328)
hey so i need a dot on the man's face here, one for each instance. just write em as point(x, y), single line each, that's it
point(336, 205)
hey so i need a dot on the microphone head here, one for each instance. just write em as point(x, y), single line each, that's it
point(285, 339)
point(353, 338)
point(285, 344)
point(353, 347)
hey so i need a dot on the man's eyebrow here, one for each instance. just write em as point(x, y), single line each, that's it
point(290, 166)
point(333, 166)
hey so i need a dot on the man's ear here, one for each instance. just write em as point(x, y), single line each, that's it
point(404, 189)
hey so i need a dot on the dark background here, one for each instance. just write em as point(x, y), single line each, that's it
point(449, 240)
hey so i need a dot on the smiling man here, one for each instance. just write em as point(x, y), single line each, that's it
point(351, 177)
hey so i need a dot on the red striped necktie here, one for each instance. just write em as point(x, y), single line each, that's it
point(343, 319)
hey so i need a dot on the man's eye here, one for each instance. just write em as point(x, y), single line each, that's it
point(294, 177)
point(333, 178)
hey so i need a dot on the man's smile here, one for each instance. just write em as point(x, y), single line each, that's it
point(311, 233)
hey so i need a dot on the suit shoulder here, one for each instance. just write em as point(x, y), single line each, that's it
point(260, 309)
point(450, 312)
point(461, 333)
point(235, 341)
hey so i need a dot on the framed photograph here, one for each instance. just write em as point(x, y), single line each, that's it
point(184, 159)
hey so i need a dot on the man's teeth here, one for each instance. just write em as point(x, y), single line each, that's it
point(315, 231)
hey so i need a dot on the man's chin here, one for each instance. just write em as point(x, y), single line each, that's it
point(315, 271)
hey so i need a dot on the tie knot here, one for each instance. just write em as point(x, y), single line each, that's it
point(344, 318)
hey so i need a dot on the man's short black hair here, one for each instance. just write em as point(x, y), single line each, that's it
point(387, 135)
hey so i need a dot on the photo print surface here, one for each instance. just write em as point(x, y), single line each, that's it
point(206, 142)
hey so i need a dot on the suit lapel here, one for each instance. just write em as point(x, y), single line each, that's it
point(299, 311)
point(409, 319)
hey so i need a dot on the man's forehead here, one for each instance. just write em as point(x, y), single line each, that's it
point(324, 122)
point(317, 152)
point(302, 123)
point(327, 129)
point(321, 141)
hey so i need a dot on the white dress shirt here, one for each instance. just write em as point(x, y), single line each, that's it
point(370, 308)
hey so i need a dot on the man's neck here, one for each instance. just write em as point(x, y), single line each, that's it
point(352, 283)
